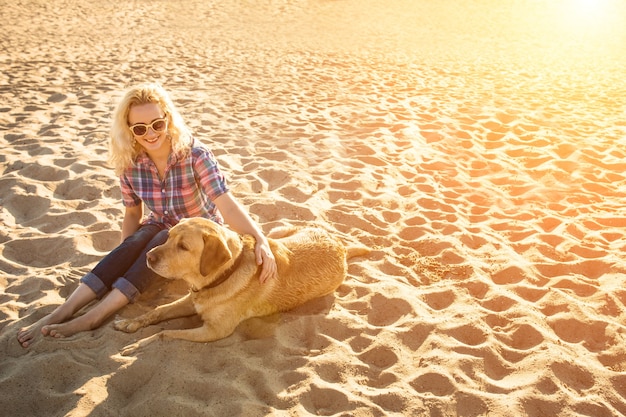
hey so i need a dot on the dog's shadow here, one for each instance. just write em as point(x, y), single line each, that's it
point(317, 306)
point(267, 326)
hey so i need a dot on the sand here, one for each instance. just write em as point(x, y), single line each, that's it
point(478, 147)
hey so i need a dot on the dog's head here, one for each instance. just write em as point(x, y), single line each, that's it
point(195, 250)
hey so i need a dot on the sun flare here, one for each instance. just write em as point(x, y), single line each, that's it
point(588, 12)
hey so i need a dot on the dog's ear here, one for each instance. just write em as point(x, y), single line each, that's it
point(214, 254)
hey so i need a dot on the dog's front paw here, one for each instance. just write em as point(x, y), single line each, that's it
point(127, 325)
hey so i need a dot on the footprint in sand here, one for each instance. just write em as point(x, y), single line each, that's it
point(588, 252)
point(105, 241)
point(499, 303)
point(386, 311)
point(360, 342)
point(26, 207)
point(520, 336)
point(573, 376)
point(57, 98)
point(274, 178)
point(469, 334)
point(346, 219)
point(281, 210)
point(530, 294)
point(412, 233)
point(379, 357)
point(43, 173)
point(509, 275)
point(553, 308)
point(415, 336)
point(439, 300)
point(476, 289)
point(54, 223)
point(495, 367)
point(325, 401)
point(579, 288)
point(30, 289)
point(433, 383)
point(349, 195)
point(40, 252)
point(48, 251)
point(296, 194)
point(78, 189)
point(473, 240)
point(619, 382)
point(497, 322)
point(592, 269)
point(65, 162)
point(592, 409)
point(393, 401)
point(538, 406)
point(615, 362)
point(592, 334)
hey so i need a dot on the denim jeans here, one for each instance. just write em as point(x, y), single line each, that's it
point(125, 267)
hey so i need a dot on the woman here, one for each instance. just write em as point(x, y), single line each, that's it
point(162, 166)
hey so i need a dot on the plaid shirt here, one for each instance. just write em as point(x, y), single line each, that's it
point(188, 189)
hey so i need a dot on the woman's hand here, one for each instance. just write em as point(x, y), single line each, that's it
point(265, 257)
point(239, 220)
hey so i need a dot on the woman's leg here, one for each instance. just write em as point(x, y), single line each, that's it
point(95, 284)
point(81, 296)
point(136, 280)
point(121, 259)
point(126, 289)
point(91, 319)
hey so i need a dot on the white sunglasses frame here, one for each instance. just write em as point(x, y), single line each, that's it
point(149, 126)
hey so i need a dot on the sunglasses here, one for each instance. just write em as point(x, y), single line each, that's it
point(140, 129)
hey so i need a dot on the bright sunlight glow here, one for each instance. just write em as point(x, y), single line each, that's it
point(587, 12)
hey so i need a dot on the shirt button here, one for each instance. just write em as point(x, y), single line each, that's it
point(163, 191)
point(166, 212)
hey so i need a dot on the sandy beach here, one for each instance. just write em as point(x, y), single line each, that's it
point(478, 147)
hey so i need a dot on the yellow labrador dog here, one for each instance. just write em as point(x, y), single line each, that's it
point(219, 266)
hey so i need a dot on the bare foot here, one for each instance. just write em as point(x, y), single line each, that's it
point(26, 336)
point(56, 324)
point(92, 319)
point(70, 328)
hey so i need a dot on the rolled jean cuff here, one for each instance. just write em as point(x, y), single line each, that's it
point(125, 287)
point(92, 281)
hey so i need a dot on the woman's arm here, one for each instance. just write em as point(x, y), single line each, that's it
point(239, 220)
point(132, 219)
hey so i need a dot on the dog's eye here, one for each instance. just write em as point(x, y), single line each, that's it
point(182, 246)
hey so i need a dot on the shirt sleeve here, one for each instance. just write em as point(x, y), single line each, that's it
point(208, 174)
point(129, 198)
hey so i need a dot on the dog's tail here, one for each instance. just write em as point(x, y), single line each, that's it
point(354, 251)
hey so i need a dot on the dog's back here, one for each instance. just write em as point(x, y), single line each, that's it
point(314, 266)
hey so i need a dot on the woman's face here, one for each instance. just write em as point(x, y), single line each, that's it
point(148, 123)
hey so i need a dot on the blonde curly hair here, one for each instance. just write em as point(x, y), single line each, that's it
point(123, 149)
